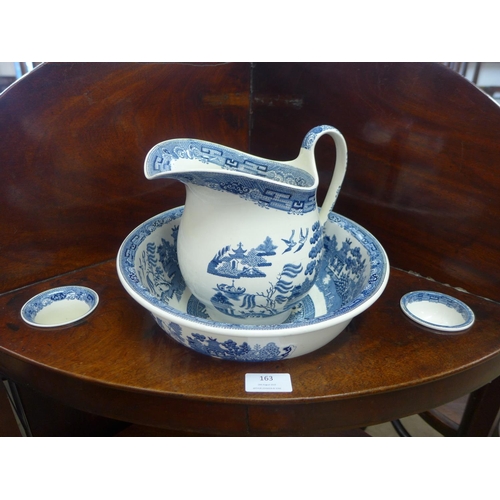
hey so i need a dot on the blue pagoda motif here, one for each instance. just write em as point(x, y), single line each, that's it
point(240, 263)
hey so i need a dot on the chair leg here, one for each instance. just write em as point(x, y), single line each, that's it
point(482, 413)
point(440, 423)
point(17, 407)
point(400, 428)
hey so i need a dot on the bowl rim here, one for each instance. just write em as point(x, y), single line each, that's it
point(377, 286)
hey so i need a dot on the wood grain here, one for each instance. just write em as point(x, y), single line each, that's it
point(118, 363)
point(423, 170)
point(422, 177)
point(74, 139)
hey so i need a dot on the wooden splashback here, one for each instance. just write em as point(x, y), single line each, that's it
point(423, 173)
point(72, 148)
point(424, 158)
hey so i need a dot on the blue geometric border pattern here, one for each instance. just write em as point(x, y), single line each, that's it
point(376, 264)
point(289, 189)
point(310, 138)
point(264, 194)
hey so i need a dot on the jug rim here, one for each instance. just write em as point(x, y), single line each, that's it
point(230, 162)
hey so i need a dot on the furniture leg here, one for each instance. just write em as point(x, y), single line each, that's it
point(482, 413)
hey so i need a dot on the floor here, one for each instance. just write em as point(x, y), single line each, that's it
point(413, 424)
point(416, 426)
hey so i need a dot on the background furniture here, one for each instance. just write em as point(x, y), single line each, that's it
point(422, 177)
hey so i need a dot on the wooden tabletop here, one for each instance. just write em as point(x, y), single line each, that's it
point(118, 363)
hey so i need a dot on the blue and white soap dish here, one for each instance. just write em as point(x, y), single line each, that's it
point(437, 311)
point(59, 306)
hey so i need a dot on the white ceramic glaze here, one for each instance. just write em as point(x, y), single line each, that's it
point(59, 306)
point(437, 311)
point(351, 277)
point(251, 237)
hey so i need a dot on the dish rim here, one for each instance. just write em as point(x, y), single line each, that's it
point(59, 289)
point(423, 296)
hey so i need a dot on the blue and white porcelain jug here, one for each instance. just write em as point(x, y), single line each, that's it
point(251, 236)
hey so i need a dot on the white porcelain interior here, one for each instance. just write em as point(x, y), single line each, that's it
point(437, 311)
point(59, 306)
point(353, 275)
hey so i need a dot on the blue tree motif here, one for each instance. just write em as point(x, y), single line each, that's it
point(310, 267)
point(316, 233)
point(175, 331)
point(267, 247)
point(152, 274)
point(316, 240)
point(220, 299)
point(237, 352)
point(346, 268)
point(167, 253)
point(283, 287)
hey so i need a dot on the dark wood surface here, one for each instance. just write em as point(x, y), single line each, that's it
point(422, 177)
point(118, 363)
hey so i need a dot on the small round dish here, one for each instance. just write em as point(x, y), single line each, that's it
point(437, 311)
point(59, 306)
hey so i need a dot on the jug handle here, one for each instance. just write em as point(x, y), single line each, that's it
point(340, 165)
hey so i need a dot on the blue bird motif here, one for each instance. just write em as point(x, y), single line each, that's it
point(302, 239)
point(290, 242)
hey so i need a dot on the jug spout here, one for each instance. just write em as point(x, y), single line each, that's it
point(270, 184)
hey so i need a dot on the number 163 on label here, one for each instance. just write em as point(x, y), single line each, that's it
point(268, 382)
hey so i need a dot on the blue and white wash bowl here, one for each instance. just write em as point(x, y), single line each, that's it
point(352, 275)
